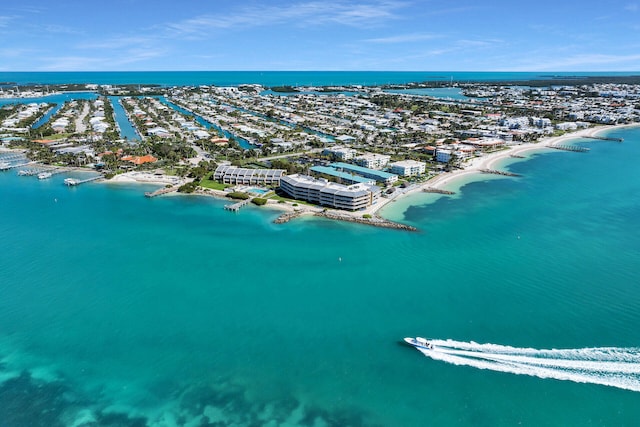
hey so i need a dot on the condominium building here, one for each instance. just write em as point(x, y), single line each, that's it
point(342, 153)
point(385, 177)
point(326, 193)
point(234, 175)
point(372, 160)
point(408, 168)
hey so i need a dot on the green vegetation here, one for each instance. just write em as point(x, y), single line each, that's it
point(367, 216)
point(284, 89)
point(214, 185)
point(238, 195)
point(189, 187)
point(259, 201)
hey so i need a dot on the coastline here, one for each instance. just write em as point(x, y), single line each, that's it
point(476, 165)
point(374, 214)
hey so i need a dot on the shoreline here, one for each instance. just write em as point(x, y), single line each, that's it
point(476, 165)
point(374, 213)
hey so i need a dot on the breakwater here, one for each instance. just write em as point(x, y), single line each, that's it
point(574, 148)
point(497, 172)
point(437, 190)
point(376, 221)
point(604, 138)
point(161, 191)
point(287, 216)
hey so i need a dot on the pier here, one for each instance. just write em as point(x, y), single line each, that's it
point(161, 191)
point(45, 172)
point(11, 157)
point(605, 138)
point(517, 156)
point(497, 172)
point(237, 206)
point(70, 182)
point(574, 148)
point(6, 167)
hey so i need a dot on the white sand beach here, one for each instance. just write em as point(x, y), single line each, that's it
point(145, 178)
point(475, 165)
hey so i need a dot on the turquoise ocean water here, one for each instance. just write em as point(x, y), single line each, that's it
point(275, 78)
point(120, 310)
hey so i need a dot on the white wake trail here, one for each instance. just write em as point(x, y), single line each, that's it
point(610, 366)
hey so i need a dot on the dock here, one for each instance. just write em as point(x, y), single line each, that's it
point(71, 182)
point(12, 157)
point(237, 206)
point(6, 167)
point(39, 171)
point(497, 172)
point(574, 148)
point(161, 191)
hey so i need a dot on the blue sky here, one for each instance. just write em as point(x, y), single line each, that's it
point(496, 35)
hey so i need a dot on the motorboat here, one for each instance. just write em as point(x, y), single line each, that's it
point(419, 343)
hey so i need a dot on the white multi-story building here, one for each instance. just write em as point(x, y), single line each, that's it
point(235, 175)
point(444, 155)
point(408, 168)
point(326, 193)
point(372, 160)
point(342, 153)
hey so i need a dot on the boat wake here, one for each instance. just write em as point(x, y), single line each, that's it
point(610, 366)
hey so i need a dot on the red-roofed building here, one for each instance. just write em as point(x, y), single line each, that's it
point(139, 160)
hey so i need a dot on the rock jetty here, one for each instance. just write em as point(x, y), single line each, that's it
point(376, 221)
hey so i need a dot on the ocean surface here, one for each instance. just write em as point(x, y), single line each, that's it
point(120, 310)
point(275, 78)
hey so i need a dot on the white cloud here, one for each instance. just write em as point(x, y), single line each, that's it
point(299, 14)
point(59, 29)
point(404, 38)
point(119, 42)
point(4, 21)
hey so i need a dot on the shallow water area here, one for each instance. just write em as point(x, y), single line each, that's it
point(172, 311)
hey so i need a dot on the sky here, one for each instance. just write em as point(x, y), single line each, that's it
point(388, 35)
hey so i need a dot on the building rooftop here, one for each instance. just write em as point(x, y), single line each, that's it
point(328, 170)
point(360, 169)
